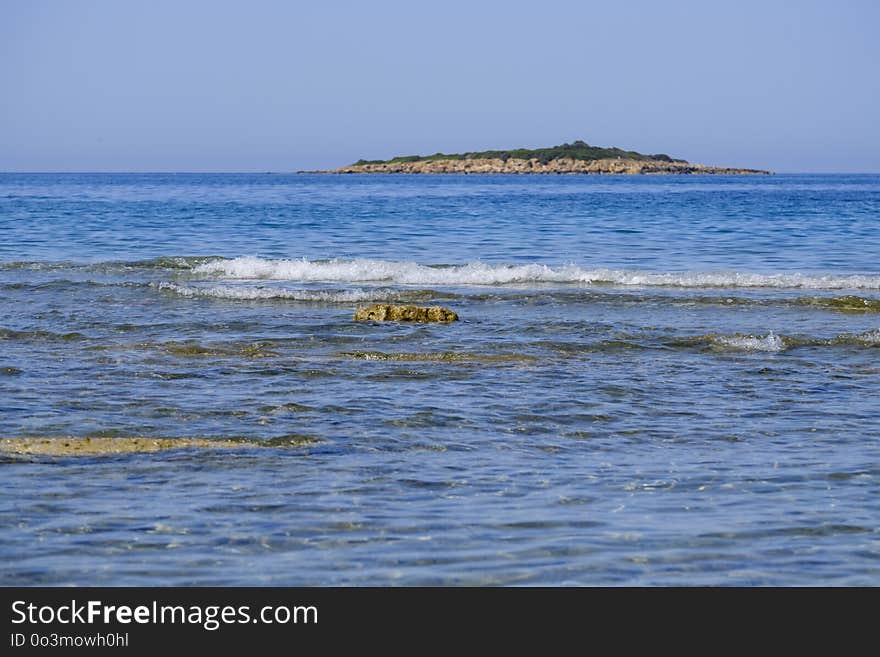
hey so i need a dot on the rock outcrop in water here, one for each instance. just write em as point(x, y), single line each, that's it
point(383, 312)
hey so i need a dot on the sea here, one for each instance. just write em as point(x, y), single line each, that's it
point(655, 380)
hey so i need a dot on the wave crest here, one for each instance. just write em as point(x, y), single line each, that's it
point(478, 273)
point(260, 293)
point(770, 343)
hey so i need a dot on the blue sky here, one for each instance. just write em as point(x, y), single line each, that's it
point(267, 85)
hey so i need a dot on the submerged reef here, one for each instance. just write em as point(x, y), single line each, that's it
point(98, 446)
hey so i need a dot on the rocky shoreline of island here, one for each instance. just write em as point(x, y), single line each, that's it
point(577, 157)
point(535, 166)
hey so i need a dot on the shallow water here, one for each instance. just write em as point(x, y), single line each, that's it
point(654, 380)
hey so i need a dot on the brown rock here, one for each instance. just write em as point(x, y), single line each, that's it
point(383, 312)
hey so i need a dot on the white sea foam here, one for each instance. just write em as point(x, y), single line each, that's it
point(256, 293)
point(478, 273)
point(769, 342)
point(870, 337)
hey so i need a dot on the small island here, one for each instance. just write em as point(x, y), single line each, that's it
point(575, 158)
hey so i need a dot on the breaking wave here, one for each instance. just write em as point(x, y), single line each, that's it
point(774, 343)
point(478, 273)
point(259, 293)
point(771, 342)
point(363, 270)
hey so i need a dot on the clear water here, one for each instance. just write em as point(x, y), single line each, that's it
point(656, 380)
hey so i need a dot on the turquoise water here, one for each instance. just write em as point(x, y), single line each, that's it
point(655, 380)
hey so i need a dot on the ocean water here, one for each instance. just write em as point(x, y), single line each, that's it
point(655, 380)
